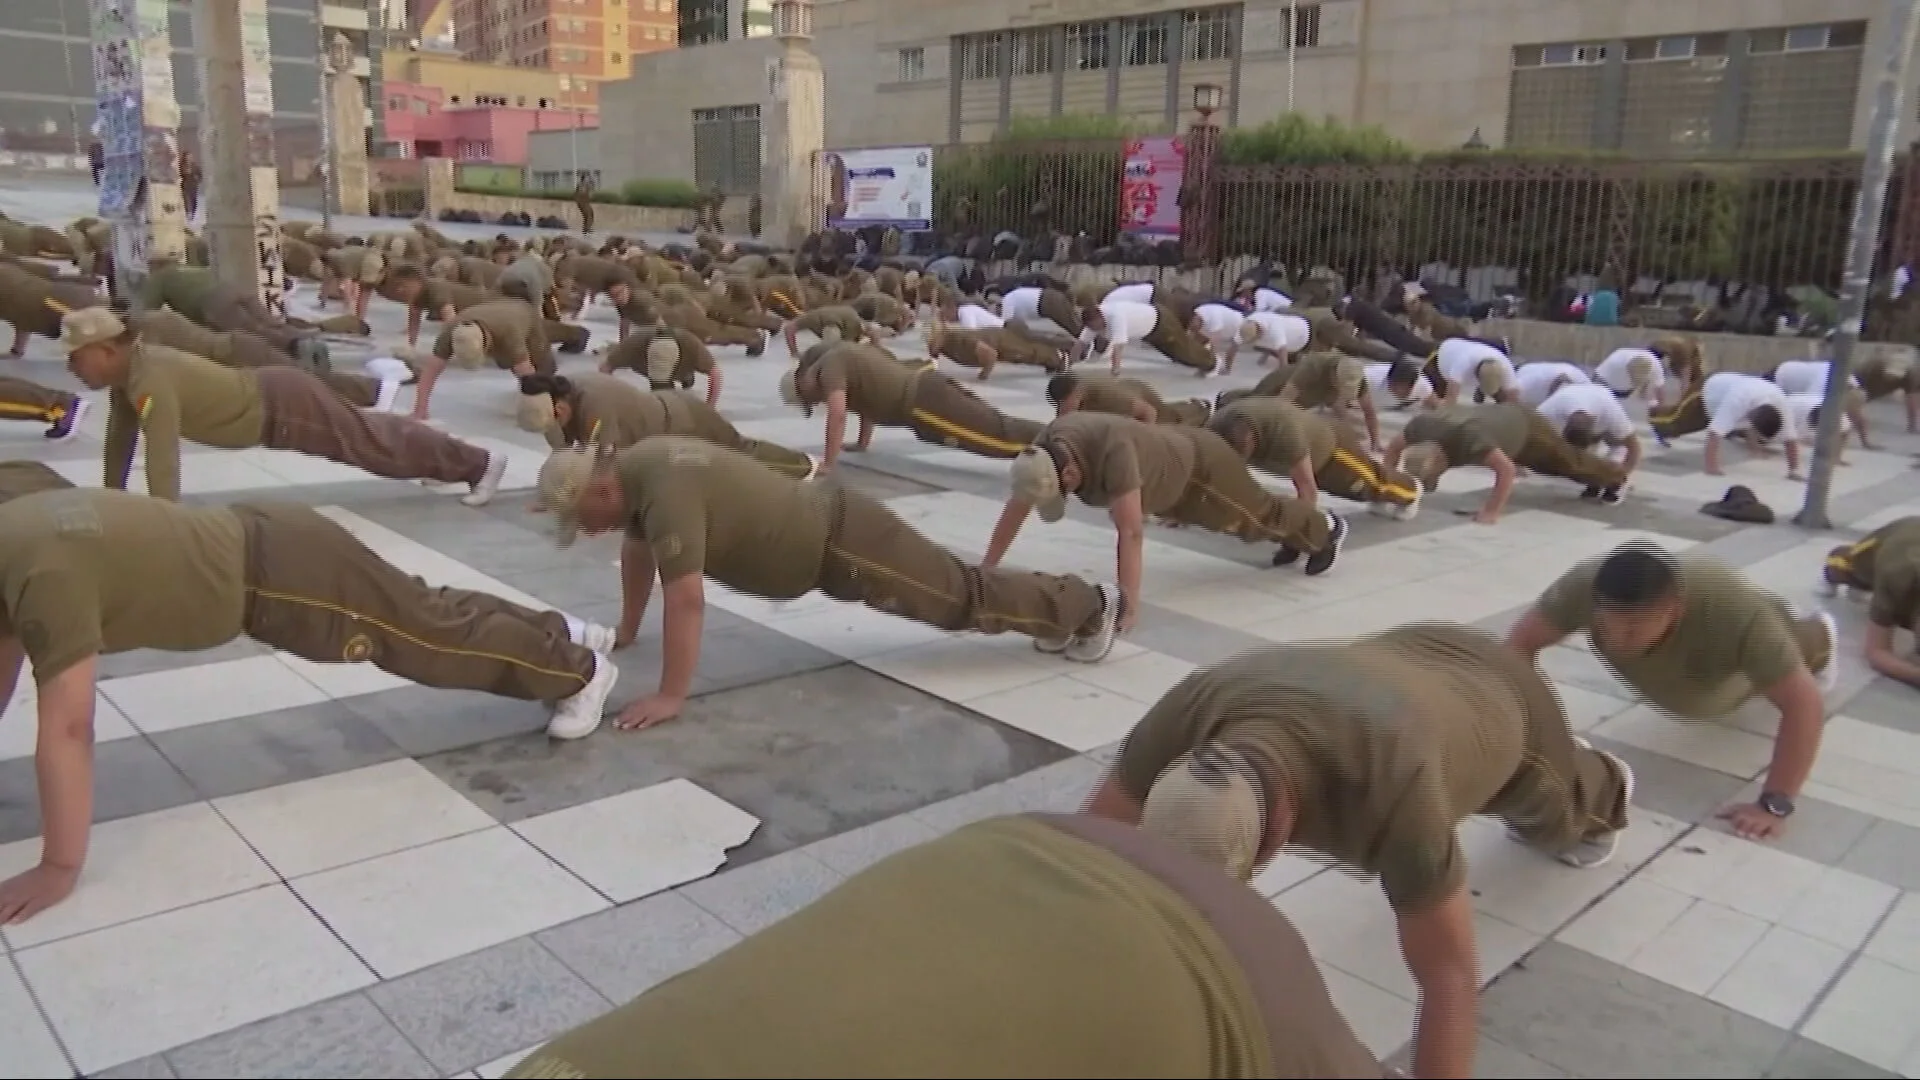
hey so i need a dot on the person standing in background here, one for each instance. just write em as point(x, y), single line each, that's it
point(583, 198)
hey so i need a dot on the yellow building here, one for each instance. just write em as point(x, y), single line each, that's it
point(587, 41)
point(467, 83)
point(1641, 77)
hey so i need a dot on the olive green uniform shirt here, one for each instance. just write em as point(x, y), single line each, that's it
point(175, 331)
point(476, 271)
point(171, 395)
point(881, 308)
point(705, 509)
point(879, 388)
point(1312, 380)
point(1468, 433)
point(1115, 394)
point(1888, 563)
point(32, 304)
point(594, 274)
point(1385, 744)
point(612, 412)
point(631, 352)
point(845, 319)
point(1733, 638)
point(89, 572)
point(1119, 454)
point(515, 333)
point(185, 289)
point(1284, 434)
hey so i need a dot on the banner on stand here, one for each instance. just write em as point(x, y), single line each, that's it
point(890, 186)
point(1150, 187)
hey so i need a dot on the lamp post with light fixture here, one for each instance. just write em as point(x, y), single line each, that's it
point(1199, 195)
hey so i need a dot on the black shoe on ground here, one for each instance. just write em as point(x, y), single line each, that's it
point(1611, 496)
point(1591, 491)
point(1285, 555)
point(1322, 561)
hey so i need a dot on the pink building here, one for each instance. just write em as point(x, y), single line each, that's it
point(421, 125)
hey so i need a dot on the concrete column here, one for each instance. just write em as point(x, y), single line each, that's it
point(236, 138)
point(347, 104)
point(139, 121)
point(794, 129)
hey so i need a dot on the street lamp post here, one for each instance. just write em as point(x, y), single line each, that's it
point(325, 60)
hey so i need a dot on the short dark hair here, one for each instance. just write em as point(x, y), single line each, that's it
point(1060, 386)
point(1765, 421)
point(1581, 431)
point(1635, 576)
point(558, 386)
point(1403, 373)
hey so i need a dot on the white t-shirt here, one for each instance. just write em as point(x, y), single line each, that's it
point(1535, 381)
point(1613, 372)
point(1805, 377)
point(1137, 293)
point(1219, 324)
point(1610, 420)
point(1020, 305)
point(1377, 381)
point(1270, 300)
point(1281, 333)
point(1731, 397)
point(1459, 361)
point(975, 317)
point(1127, 321)
point(1800, 409)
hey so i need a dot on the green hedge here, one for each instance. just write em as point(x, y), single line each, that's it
point(669, 194)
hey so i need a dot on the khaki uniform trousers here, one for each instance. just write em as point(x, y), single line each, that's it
point(876, 559)
point(1688, 416)
point(318, 593)
point(19, 478)
point(304, 415)
point(245, 350)
point(1269, 385)
point(691, 319)
point(1351, 473)
point(1170, 337)
point(1058, 308)
point(1223, 497)
point(691, 416)
point(946, 413)
point(783, 296)
point(1192, 412)
point(1877, 382)
point(24, 400)
point(736, 315)
point(1548, 453)
point(231, 311)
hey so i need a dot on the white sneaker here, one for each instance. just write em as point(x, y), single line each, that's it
point(579, 716)
point(1094, 645)
point(1829, 676)
point(1052, 646)
point(389, 393)
point(1412, 509)
point(387, 368)
point(489, 485)
point(596, 637)
point(813, 467)
point(1595, 850)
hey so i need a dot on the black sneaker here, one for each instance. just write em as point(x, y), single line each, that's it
point(1591, 491)
point(69, 423)
point(1287, 555)
point(1322, 561)
point(1611, 496)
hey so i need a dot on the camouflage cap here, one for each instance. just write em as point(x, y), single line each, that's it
point(1209, 802)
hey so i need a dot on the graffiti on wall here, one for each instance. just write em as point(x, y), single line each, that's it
point(257, 77)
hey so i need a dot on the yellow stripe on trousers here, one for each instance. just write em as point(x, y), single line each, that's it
point(867, 566)
point(472, 654)
point(787, 307)
point(948, 427)
point(1674, 414)
point(1371, 475)
point(14, 410)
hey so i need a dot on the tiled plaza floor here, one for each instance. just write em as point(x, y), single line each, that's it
point(319, 871)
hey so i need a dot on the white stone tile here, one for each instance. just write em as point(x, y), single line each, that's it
point(642, 842)
point(1897, 941)
point(1343, 621)
point(1869, 1014)
point(141, 866)
point(1285, 872)
point(313, 825)
point(494, 1070)
point(171, 700)
point(961, 667)
point(1074, 714)
point(1381, 1021)
point(20, 724)
point(1231, 603)
point(417, 559)
point(1586, 708)
point(395, 910)
point(1145, 678)
point(1699, 948)
point(1539, 894)
point(1755, 879)
point(27, 1045)
point(855, 632)
point(143, 987)
point(1620, 925)
point(1778, 980)
point(1709, 745)
point(292, 468)
point(1842, 908)
point(339, 681)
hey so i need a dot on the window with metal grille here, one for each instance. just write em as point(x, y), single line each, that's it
point(980, 57)
point(1032, 51)
point(1087, 46)
point(1143, 41)
point(1300, 26)
point(1207, 34)
point(913, 64)
point(726, 149)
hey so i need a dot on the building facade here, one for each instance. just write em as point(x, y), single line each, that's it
point(1649, 78)
point(556, 160)
point(587, 41)
point(708, 22)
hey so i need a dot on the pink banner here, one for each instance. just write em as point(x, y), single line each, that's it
point(1150, 186)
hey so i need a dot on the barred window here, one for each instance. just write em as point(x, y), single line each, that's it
point(980, 57)
point(1207, 35)
point(913, 64)
point(1143, 41)
point(1300, 26)
point(1032, 51)
point(1087, 46)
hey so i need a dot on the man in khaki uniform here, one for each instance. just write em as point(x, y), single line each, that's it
point(1371, 753)
point(1698, 640)
point(590, 276)
point(1114, 954)
point(680, 306)
point(1332, 381)
point(782, 295)
point(604, 411)
point(844, 321)
point(1886, 564)
point(985, 349)
point(1501, 437)
point(1318, 455)
point(1121, 396)
point(33, 305)
point(691, 510)
point(355, 272)
point(442, 300)
point(666, 356)
point(89, 573)
point(1331, 333)
point(1183, 475)
point(377, 389)
point(528, 277)
point(879, 309)
point(168, 395)
point(195, 292)
point(879, 389)
point(731, 300)
point(21, 399)
point(507, 332)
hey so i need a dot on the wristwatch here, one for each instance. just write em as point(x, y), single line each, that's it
point(1776, 804)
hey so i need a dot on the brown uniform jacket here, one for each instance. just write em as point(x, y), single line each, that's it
point(169, 396)
point(879, 388)
point(631, 354)
point(34, 304)
point(1468, 433)
point(1284, 434)
point(1118, 454)
point(515, 334)
point(614, 413)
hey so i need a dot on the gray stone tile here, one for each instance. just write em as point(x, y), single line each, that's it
point(1580, 667)
point(747, 654)
point(1887, 703)
point(146, 1068)
point(880, 485)
point(280, 747)
point(340, 1039)
point(852, 852)
point(1186, 638)
point(1819, 830)
point(812, 756)
point(629, 950)
point(569, 585)
point(472, 1010)
point(1673, 787)
point(1577, 1013)
point(1057, 789)
point(1805, 1059)
point(423, 721)
point(755, 897)
point(147, 661)
point(129, 777)
point(1888, 851)
point(1492, 1060)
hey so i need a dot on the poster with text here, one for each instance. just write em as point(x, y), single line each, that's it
point(1150, 187)
point(891, 186)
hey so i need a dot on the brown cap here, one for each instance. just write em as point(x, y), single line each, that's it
point(88, 326)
